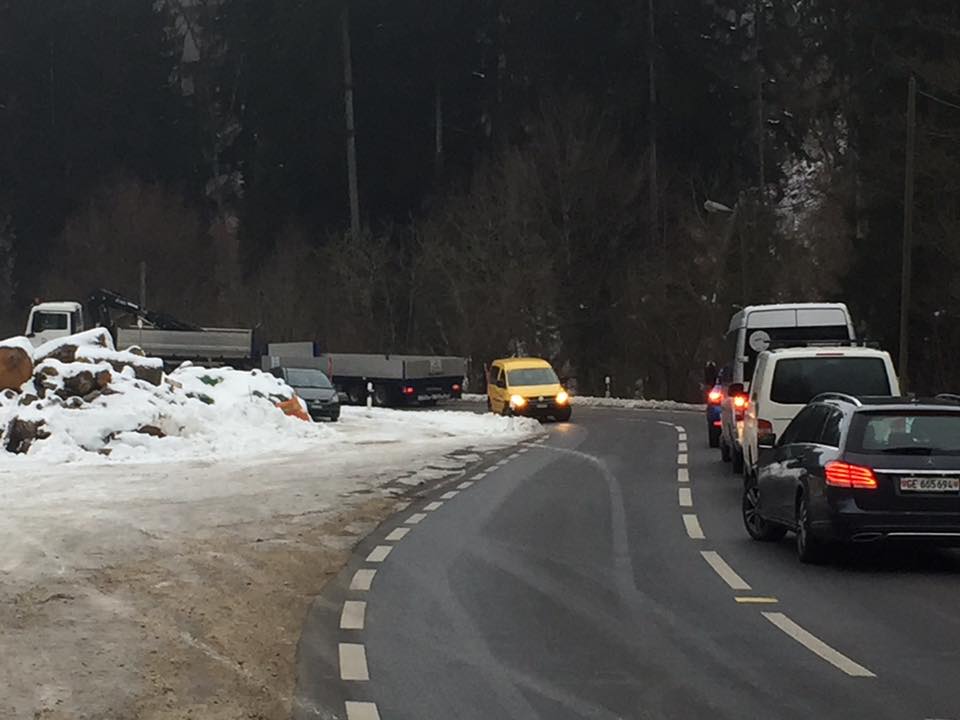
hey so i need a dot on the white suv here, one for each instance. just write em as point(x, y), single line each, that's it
point(784, 381)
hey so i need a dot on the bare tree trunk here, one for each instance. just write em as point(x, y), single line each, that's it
point(652, 121)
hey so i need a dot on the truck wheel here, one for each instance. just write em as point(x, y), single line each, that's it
point(737, 466)
point(380, 397)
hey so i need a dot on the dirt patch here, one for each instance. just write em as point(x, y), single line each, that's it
point(210, 633)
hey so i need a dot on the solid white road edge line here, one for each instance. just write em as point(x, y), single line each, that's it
point(362, 711)
point(685, 496)
point(725, 572)
point(379, 553)
point(362, 580)
point(415, 519)
point(692, 524)
point(450, 495)
point(352, 615)
point(353, 662)
point(430, 507)
point(817, 646)
point(464, 485)
point(397, 535)
point(683, 475)
point(682, 459)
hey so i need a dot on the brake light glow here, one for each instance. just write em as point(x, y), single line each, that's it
point(841, 474)
point(409, 390)
point(714, 397)
point(740, 402)
point(456, 387)
point(718, 423)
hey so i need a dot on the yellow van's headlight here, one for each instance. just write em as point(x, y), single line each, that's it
point(562, 397)
point(517, 401)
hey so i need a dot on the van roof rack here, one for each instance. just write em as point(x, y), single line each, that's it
point(842, 397)
point(823, 342)
point(948, 397)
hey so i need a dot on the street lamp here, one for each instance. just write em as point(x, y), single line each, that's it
point(715, 208)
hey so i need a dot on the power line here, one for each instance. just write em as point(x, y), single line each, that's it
point(946, 103)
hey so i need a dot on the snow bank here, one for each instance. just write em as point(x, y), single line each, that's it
point(97, 337)
point(623, 403)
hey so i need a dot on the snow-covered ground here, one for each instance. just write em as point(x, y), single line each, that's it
point(586, 401)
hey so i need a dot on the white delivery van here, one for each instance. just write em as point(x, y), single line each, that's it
point(786, 380)
point(757, 328)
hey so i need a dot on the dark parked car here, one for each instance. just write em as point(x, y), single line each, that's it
point(860, 470)
point(314, 388)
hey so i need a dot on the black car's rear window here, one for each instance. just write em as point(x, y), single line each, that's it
point(905, 433)
point(305, 378)
point(797, 380)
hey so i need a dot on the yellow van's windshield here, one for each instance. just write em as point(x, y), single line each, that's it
point(532, 376)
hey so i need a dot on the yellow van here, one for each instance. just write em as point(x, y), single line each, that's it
point(526, 386)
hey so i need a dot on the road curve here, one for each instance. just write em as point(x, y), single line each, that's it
point(604, 573)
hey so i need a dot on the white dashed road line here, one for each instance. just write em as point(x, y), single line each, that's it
point(353, 662)
point(682, 459)
point(682, 447)
point(817, 646)
point(692, 524)
point(725, 572)
point(682, 437)
point(399, 534)
point(362, 580)
point(683, 475)
point(465, 484)
point(450, 495)
point(379, 553)
point(362, 711)
point(430, 507)
point(685, 496)
point(351, 618)
point(415, 519)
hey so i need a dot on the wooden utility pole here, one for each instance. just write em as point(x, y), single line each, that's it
point(652, 120)
point(351, 126)
point(438, 128)
point(906, 268)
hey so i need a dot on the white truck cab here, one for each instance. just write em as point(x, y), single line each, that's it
point(52, 320)
point(757, 328)
point(786, 380)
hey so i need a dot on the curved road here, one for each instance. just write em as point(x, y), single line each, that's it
point(604, 573)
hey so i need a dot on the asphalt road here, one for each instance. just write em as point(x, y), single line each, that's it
point(603, 574)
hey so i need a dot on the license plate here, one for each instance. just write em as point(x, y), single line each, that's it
point(930, 484)
point(542, 406)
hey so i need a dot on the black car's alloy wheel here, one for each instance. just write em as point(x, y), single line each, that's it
point(756, 525)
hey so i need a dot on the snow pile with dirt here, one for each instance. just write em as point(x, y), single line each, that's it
point(623, 403)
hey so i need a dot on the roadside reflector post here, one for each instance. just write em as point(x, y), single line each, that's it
point(606, 382)
point(369, 395)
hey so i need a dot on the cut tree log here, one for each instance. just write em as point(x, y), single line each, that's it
point(16, 367)
point(21, 434)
